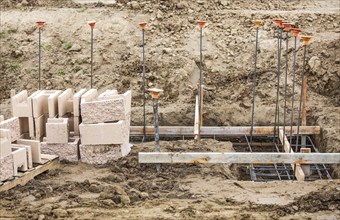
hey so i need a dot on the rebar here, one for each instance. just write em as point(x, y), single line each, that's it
point(39, 57)
point(277, 108)
point(254, 81)
point(157, 147)
point(91, 58)
point(285, 89)
point(293, 87)
point(144, 97)
point(301, 93)
point(200, 86)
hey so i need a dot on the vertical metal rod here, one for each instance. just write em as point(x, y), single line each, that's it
point(157, 147)
point(300, 106)
point(144, 98)
point(39, 57)
point(91, 57)
point(254, 88)
point(285, 91)
point(200, 86)
point(293, 87)
point(277, 108)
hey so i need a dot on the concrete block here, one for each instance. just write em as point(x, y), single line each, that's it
point(46, 102)
point(70, 118)
point(20, 105)
point(76, 122)
point(65, 102)
point(35, 148)
point(57, 130)
point(53, 104)
point(102, 111)
point(5, 142)
point(108, 94)
point(125, 149)
point(30, 101)
point(89, 96)
point(19, 160)
point(99, 154)
point(31, 127)
point(13, 125)
point(28, 154)
point(24, 125)
point(76, 102)
point(40, 127)
point(6, 170)
point(2, 118)
point(102, 133)
point(66, 151)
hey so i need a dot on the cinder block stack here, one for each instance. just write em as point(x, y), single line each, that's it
point(104, 130)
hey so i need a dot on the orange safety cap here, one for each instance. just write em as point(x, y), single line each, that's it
point(306, 39)
point(287, 26)
point(258, 23)
point(278, 22)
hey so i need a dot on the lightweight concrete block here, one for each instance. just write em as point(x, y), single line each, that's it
point(35, 148)
point(6, 167)
point(13, 125)
point(24, 125)
point(65, 102)
point(5, 142)
point(28, 154)
point(19, 160)
point(53, 104)
point(20, 105)
point(102, 111)
point(57, 130)
point(102, 133)
point(31, 127)
point(108, 94)
point(89, 96)
point(99, 154)
point(30, 101)
point(125, 149)
point(40, 127)
point(76, 122)
point(70, 118)
point(67, 151)
point(76, 102)
point(46, 102)
point(2, 118)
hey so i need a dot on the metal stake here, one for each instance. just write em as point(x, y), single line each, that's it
point(40, 25)
point(295, 34)
point(142, 26)
point(287, 27)
point(277, 108)
point(258, 23)
point(201, 25)
point(305, 43)
point(155, 95)
point(92, 23)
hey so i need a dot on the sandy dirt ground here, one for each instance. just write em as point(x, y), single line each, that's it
point(128, 190)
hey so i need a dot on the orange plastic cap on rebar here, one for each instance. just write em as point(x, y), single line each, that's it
point(287, 26)
point(40, 24)
point(295, 31)
point(201, 23)
point(155, 92)
point(91, 23)
point(306, 39)
point(278, 22)
point(142, 25)
point(258, 23)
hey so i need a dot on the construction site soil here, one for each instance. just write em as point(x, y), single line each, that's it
point(125, 189)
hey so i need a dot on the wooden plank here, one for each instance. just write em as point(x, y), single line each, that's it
point(298, 172)
point(238, 158)
point(196, 125)
point(27, 176)
point(226, 131)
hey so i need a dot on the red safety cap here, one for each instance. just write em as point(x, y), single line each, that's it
point(295, 31)
point(40, 24)
point(142, 25)
point(91, 23)
point(201, 23)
